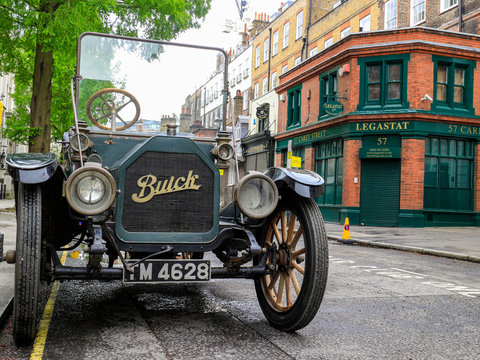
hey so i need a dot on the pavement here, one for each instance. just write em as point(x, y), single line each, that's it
point(461, 243)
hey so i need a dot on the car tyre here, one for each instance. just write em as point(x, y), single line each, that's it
point(291, 295)
point(27, 265)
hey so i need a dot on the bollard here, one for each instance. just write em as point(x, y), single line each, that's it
point(1, 247)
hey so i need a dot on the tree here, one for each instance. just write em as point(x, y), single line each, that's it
point(39, 37)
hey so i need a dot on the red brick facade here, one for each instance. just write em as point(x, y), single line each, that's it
point(351, 171)
point(412, 174)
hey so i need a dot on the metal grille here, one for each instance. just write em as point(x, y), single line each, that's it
point(180, 211)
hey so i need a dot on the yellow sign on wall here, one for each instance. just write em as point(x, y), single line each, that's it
point(1, 113)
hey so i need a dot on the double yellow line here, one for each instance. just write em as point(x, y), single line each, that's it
point(41, 338)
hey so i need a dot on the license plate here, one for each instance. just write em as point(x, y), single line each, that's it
point(163, 271)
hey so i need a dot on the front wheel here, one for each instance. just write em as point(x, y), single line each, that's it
point(27, 265)
point(291, 294)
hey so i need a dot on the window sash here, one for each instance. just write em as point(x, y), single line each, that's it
point(294, 107)
point(286, 30)
point(417, 11)
point(391, 14)
point(266, 50)
point(447, 4)
point(329, 165)
point(299, 30)
point(257, 56)
point(275, 43)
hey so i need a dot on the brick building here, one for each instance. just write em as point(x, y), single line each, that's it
point(390, 120)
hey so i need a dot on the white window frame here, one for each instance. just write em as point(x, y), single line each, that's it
point(275, 43)
point(264, 86)
point(299, 28)
point(345, 32)
point(391, 7)
point(328, 42)
point(256, 90)
point(257, 56)
point(313, 51)
point(445, 7)
point(246, 72)
point(420, 6)
point(245, 100)
point(298, 60)
point(286, 32)
point(274, 80)
point(266, 50)
point(284, 69)
point(364, 21)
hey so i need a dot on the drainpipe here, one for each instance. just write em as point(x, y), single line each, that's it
point(307, 29)
point(460, 15)
point(269, 56)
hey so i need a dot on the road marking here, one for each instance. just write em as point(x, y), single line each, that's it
point(41, 338)
point(405, 274)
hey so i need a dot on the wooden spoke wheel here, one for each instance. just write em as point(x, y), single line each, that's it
point(291, 295)
point(109, 106)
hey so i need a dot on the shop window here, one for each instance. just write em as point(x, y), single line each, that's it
point(448, 181)
point(329, 164)
point(328, 89)
point(294, 106)
point(383, 82)
point(453, 85)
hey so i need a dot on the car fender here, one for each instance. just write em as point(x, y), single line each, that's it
point(303, 182)
point(33, 168)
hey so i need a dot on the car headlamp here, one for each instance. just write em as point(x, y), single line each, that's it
point(256, 195)
point(223, 151)
point(90, 189)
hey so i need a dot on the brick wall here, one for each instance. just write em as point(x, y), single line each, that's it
point(310, 158)
point(412, 174)
point(278, 160)
point(351, 170)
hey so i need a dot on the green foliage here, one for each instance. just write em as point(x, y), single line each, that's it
point(55, 25)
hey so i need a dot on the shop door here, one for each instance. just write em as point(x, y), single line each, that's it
point(380, 192)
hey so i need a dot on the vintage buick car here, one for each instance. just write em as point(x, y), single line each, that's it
point(156, 205)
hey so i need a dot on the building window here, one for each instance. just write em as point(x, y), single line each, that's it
point(299, 29)
point(266, 50)
point(264, 86)
point(365, 23)
point(448, 174)
point(247, 69)
point(329, 165)
point(328, 89)
point(255, 91)
point(383, 82)
point(417, 12)
point(453, 85)
point(294, 106)
point(286, 30)
point(245, 100)
point(391, 14)
point(298, 60)
point(328, 42)
point(257, 56)
point(447, 4)
point(275, 43)
point(284, 69)
point(345, 32)
point(314, 51)
point(274, 80)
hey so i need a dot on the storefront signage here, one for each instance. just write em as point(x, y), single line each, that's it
point(263, 111)
point(333, 107)
point(382, 126)
point(381, 147)
point(464, 129)
point(309, 137)
point(256, 149)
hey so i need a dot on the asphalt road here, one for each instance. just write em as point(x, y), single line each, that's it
point(379, 304)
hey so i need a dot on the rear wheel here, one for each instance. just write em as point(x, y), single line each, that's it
point(291, 295)
point(27, 265)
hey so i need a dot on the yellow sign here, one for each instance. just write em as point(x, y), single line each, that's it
point(1, 113)
point(150, 187)
point(220, 171)
point(296, 161)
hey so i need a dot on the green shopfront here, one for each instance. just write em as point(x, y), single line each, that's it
point(394, 173)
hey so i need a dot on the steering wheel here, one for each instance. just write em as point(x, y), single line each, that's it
point(107, 104)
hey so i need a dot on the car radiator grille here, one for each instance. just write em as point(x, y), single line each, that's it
point(168, 192)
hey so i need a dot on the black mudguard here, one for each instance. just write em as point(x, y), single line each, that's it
point(305, 183)
point(33, 168)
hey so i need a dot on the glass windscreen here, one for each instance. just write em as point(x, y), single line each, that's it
point(133, 85)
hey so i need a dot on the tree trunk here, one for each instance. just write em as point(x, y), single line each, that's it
point(41, 100)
